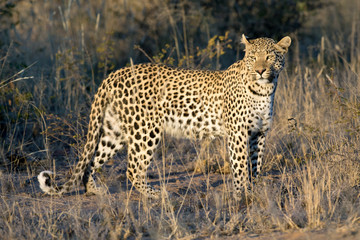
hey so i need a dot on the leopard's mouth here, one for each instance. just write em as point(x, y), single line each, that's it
point(264, 79)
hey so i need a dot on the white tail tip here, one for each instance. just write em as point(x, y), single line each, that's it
point(44, 179)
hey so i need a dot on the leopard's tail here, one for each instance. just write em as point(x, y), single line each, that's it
point(45, 178)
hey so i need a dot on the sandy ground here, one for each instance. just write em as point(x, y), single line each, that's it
point(183, 183)
point(28, 194)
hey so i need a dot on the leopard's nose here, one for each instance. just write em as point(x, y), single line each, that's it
point(260, 70)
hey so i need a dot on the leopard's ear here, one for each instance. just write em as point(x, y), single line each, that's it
point(283, 44)
point(244, 40)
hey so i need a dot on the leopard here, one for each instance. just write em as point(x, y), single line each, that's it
point(135, 105)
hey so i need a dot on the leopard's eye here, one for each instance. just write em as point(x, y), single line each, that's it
point(269, 57)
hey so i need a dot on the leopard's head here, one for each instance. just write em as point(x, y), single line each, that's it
point(265, 58)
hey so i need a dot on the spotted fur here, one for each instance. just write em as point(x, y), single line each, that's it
point(136, 104)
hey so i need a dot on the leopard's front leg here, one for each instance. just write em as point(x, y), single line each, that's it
point(239, 160)
point(257, 147)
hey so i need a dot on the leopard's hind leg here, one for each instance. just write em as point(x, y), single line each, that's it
point(110, 142)
point(142, 145)
point(108, 147)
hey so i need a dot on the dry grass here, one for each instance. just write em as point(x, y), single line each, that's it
point(310, 186)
